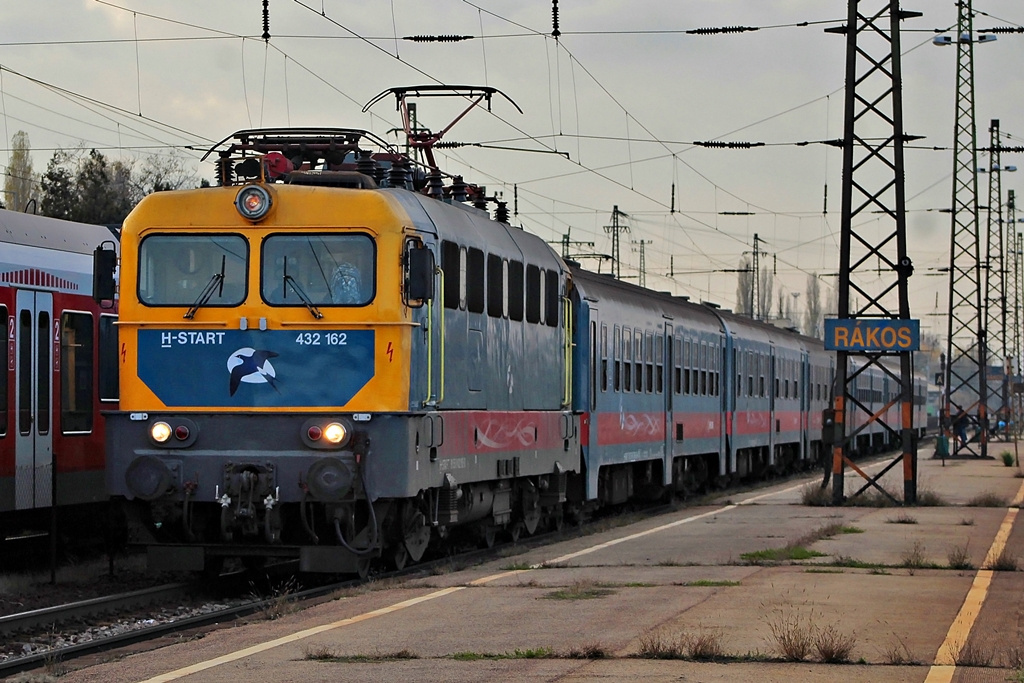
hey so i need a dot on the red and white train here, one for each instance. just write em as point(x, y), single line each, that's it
point(59, 367)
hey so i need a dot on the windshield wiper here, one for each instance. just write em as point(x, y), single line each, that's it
point(216, 283)
point(289, 281)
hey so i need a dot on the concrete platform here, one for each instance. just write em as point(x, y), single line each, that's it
point(882, 584)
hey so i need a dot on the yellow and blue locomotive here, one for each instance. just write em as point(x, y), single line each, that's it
point(311, 369)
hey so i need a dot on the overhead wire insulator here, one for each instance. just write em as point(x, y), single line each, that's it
point(448, 144)
point(437, 39)
point(718, 144)
point(1003, 29)
point(554, 20)
point(266, 21)
point(721, 29)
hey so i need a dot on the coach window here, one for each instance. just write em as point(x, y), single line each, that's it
point(181, 270)
point(703, 369)
point(4, 414)
point(659, 362)
point(677, 361)
point(686, 367)
point(551, 295)
point(627, 359)
point(638, 357)
point(495, 286)
point(76, 373)
point(515, 290)
point(533, 294)
point(604, 357)
point(715, 374)
point(474, 280)
point(649, 361)
point(109, 366)
point(617, 350)
point(750, 373)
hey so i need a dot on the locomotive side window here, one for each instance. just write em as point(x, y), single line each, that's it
point(495, 286)
point(474, 280)
point(109, 367)
point(175, 270)
point(76, 373)
point(551, 294)
point(533, 294)
point(463, 279)
point(450, 257)
point(4, 408)
point(515, 290)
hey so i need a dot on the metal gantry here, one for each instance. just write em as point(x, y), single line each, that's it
point(965, 394)
point(997, 388)
point(874, 266)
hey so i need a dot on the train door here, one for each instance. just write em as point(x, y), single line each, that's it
point(666, 383)
point(33, 399)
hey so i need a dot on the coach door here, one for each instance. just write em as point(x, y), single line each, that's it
point(33, 399)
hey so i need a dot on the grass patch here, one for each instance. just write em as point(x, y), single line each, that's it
point(703, 645)
point(584, 589)
point(852, 563)
point(791, 637)
point(902, 518)
point(1006, 562)
point(926, 498)
point(898, 654)
point(590, 651)
point(787, 554)
point(318, 652)
point(710, 583)
point(913, 558)
point(819, 570)
point(816, 495)
point(833, 646)
point(1007, 458)
point(959, 557)
point(850, 530)
point(988, 500)
point(534, 653)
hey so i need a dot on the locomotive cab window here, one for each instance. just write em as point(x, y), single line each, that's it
point(181, 270)
point(324, 269)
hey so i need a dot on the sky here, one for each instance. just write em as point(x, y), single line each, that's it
point(610, 111)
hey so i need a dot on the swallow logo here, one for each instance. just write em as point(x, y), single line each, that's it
point(252, 367)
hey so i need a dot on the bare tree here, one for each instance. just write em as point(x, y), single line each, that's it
point(812, 317)
point(21, 185)
point(764, 294)
point(745, 288)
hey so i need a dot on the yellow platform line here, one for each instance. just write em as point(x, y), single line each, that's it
point(943, 668)
point(292, 637)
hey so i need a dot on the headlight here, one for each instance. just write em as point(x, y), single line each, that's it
point(160, 432)
point(253, 202)
point(335, 433)
point(147, 477)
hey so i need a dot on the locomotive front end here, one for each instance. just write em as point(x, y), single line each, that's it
point(264, 340)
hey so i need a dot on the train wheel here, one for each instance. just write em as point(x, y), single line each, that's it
point(363, 568)
point(489, 535)
point(415, 532)
point(515, 531)
point(531, 508)
point(400, 557)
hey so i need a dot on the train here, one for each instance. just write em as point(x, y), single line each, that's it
point(330, 358)
point(58, 374)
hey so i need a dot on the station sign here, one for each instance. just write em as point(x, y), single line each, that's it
point(872, 335)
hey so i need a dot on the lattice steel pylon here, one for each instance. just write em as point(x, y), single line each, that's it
point(873, 251)
point(966, 391)
point(997, 388)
